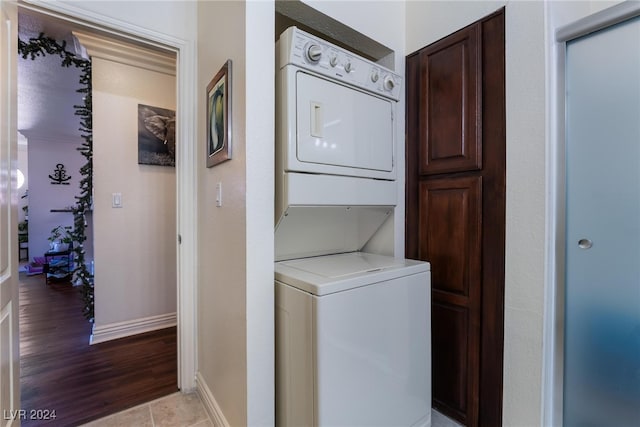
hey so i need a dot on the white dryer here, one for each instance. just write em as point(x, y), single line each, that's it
point(353, 330)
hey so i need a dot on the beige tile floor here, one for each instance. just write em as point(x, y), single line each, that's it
point(439, 420)
point(186, 410)
point(175, 410)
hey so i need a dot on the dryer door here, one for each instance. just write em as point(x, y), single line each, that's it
point(342, 130)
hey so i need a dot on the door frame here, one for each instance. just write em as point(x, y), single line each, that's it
point(553, 338)
point(186, 164)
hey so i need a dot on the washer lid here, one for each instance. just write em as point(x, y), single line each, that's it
point(328, 274)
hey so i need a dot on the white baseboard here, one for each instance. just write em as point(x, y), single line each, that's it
point(117, 330)
point(210, 403)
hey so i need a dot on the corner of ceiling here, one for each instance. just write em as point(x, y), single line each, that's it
point(107, 48)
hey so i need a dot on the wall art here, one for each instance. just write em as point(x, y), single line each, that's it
point(219, 117)
point(156, 136)
point(60, 176)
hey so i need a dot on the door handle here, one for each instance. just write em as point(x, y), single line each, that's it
point(585, 244)
point(316, 119)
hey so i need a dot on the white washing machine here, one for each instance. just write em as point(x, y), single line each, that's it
point(353, 334)
point(353, 341)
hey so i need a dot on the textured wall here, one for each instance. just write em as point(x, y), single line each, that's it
point(134, 246)
point(222, 294)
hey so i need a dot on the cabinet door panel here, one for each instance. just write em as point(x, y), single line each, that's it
point(450, 373)
point(450, 238)
point(450, 217)
point(450, 131)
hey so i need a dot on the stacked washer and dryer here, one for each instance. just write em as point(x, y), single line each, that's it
point(353, 329)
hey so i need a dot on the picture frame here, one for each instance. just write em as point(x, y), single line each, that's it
point(218, 142)
point(156, 136)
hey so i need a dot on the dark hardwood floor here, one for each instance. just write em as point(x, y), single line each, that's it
point(61, 372)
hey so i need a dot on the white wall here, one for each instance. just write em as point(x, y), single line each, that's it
point(174, 18)
point(44, 155)
point(236, 337)
point(134, 246)
point(222, 325)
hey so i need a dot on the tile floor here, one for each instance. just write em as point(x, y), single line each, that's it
point(439, 420)
point(186, 410)
point(175, 410)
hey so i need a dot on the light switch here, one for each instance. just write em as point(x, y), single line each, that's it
point(116, 200)
point(219, 194)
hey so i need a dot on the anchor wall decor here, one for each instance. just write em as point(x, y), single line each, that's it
point(60, 175)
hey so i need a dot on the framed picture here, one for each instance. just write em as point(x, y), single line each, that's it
point(156, 136)
point(219, 117)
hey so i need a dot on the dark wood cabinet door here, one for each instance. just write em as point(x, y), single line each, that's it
point(455, 211)
point(450, 109)
point(449, 229)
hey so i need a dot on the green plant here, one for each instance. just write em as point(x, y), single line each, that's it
point(23, 231)
point(43, 46)
point(61, 234)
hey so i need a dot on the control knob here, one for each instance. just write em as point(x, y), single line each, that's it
point(314, 53)
point(333, 60)
point(348, 67)
point(375, 76)
point(388, 83)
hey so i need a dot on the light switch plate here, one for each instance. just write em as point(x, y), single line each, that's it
point(219, 194)
point(116, 200)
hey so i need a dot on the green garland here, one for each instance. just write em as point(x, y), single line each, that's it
point(42, 46)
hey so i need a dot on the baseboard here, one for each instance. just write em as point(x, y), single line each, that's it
point(210, 403)
point(117, 330)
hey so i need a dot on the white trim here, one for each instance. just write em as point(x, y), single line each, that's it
point(553, 338)
point(126, 53)
point(209, 402)
point(260, 188)
point(187, 182)
point(598, 21)
point(7, 314)
point(128, 328)
point(186, 163)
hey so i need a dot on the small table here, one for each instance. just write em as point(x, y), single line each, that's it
point(57, 265)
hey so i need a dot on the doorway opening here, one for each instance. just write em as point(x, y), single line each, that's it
point(174, 258)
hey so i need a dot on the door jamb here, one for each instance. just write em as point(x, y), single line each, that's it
point(186, 164)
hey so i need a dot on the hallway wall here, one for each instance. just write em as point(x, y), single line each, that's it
point(135, 245)
point(222, 295)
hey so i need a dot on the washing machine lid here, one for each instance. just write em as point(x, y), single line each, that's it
point(328, 274)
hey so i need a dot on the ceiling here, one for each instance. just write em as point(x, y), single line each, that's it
point(46, 90)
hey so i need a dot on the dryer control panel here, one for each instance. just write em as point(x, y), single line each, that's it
point(312, 53)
